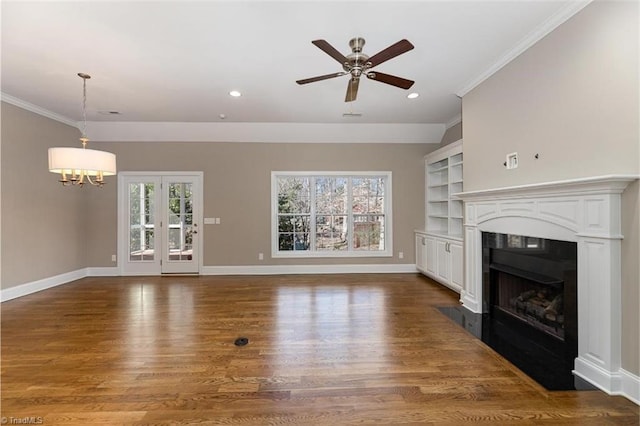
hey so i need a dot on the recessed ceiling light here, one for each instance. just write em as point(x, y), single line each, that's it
point(413, 95)
point(235, 93)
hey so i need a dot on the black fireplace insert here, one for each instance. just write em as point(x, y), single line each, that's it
point(530, 300)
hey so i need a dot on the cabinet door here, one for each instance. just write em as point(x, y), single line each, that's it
point(421, 253)
point(432, 261)
point(457, 270)
point(443, 260)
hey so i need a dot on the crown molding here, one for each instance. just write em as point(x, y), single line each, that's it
point(453, 121)
point(529, 40)
point(38, 110)
point(410, 133)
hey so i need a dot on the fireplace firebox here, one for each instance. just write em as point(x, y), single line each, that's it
point(530, 299)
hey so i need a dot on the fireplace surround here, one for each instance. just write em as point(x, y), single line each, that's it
point(585, 211)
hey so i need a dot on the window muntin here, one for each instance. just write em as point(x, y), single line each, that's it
point(331, 218)
point(331, 214)
point(294, 214)
point(141, 222)
point(180, 232)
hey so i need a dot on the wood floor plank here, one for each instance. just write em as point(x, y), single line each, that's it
point(323, 350)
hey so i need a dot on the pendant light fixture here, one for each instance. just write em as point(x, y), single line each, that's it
point(77, 164)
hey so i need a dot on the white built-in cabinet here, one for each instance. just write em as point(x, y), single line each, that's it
point(439, 252)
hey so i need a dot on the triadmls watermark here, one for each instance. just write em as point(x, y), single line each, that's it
point(27, 420)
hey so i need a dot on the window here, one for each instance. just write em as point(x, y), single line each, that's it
point(331, 214)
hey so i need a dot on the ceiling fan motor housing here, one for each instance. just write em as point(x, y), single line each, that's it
point(356, 61)
point(356, 44)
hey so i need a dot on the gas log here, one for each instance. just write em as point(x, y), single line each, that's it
point(542, 305)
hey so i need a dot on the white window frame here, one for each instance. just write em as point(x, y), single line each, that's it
point(388, 223)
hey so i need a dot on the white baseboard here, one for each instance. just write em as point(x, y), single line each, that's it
point(43, 284)
point(308, 269)
point(109, 271)
point(621, 382)
point(630, 386)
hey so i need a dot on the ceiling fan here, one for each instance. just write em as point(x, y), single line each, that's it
point(357, 64)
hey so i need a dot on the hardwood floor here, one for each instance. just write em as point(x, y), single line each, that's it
point(323, 349)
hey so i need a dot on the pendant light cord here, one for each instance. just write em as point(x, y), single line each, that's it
point(84, 107)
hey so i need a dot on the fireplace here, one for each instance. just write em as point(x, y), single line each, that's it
point(587, 212)
point(530, 288)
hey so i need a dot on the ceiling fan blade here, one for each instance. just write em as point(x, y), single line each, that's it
point(320, 77)
point(390, 52)
point(390, 79)
point(330, 50)
point(352, 90)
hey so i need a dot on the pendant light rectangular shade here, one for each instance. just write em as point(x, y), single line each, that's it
point(70, 160)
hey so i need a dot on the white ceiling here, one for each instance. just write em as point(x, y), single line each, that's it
point(176, 61)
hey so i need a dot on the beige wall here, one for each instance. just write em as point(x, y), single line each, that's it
point(43, 223)
point(573, 99)
point(237, 190)
point(452, 134)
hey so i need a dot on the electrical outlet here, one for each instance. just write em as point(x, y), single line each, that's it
point(260, 256)
point(401, 255)
point(512, 160)
point(114, 258)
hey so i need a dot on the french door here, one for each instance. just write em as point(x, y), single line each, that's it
point(158, 222)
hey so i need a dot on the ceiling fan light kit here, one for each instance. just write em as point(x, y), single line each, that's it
point(357, 64)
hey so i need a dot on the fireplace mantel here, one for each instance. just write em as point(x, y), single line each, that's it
point(586, 211)
point(581, 186)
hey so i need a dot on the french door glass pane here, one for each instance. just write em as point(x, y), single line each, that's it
point(180, 232)
point(141, 222)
